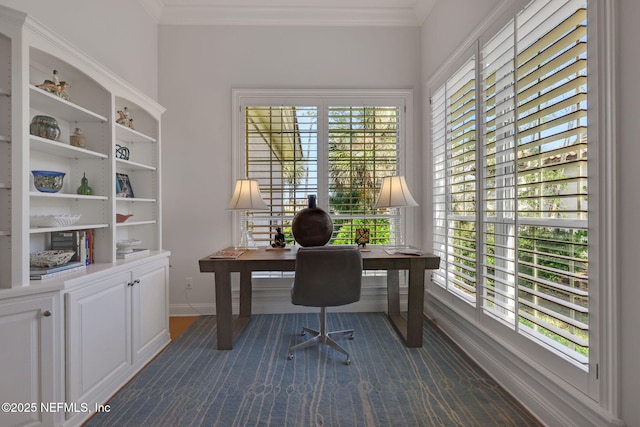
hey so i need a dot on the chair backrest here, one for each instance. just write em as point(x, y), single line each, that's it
point(327, 276)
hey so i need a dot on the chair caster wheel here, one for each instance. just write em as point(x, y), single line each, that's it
point(351, 337)
point(348, 361)
point(290, 356)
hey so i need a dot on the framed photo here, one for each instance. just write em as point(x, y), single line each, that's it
point(362, 236)
point(123, 186)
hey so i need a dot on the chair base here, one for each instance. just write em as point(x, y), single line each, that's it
point(323, 337)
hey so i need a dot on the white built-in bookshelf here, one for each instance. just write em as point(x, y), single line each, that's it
point(94, 98)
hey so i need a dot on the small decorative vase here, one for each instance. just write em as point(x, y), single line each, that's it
point(312, 226)
point(84, 188)
point(45, 127)
point(78, 139)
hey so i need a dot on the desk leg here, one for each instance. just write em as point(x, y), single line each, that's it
point(415, 304)
point(245, 294)
point(224, 314)
point(393, 293)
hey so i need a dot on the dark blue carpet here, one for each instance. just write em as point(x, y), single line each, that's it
point(387, 384)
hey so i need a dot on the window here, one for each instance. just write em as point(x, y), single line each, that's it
point(511, 209)
point(335, 147)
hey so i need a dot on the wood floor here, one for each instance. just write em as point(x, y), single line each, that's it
point(177, 325)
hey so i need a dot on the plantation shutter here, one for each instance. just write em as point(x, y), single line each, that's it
point(533, 184)
point(340, 153)
point(454, 133)
point(439, 182)
point(282, 154)
point(553, 291)
point(498, 188)
point(363, 149)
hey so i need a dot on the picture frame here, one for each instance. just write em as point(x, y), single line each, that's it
point(362, 236)
point(123, 186)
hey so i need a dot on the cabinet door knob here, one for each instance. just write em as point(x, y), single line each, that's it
point(47, 313)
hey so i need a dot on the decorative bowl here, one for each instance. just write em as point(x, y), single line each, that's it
point(59, 220)
point(51, 258)
point(48, 181)
point(126, 246)
point(45, 127)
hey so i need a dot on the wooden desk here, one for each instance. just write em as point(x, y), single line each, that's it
point(230, 326)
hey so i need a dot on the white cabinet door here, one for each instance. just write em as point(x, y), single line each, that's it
point(98, 338)
point(27, 331)
point(150, 309)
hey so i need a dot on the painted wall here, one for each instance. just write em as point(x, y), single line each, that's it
point(119, 34)
point(449, 24)
point(198, 68)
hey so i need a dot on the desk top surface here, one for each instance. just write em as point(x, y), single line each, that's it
point(372, 258)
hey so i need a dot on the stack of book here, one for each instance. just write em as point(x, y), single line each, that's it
point(39, 273)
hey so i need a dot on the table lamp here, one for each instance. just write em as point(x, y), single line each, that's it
point(246, 197)
point(394, 194)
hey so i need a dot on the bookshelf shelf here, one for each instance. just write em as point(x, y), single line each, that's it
point(74, 227)
point(133, 166)
point(44, 101)
point(133, 200)
point(66, 196)
point(58, 148)
point(134, 223)
point(127, 134)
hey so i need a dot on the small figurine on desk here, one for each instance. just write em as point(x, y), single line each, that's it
point(55, 86)
point(124, 118)
point(278, 241)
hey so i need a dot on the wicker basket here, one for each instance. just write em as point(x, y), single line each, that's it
point(52, 258)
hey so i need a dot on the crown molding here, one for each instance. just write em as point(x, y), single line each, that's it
point(153, 8)
point(287, 12)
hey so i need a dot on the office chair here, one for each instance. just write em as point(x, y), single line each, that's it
point(326, 276)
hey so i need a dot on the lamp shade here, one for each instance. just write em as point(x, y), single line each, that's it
point(394, 193)
point(246, 196)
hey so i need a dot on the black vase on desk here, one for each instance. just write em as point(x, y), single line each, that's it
point(312, 226)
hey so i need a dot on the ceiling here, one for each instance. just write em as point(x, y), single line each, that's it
point(290, 12)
